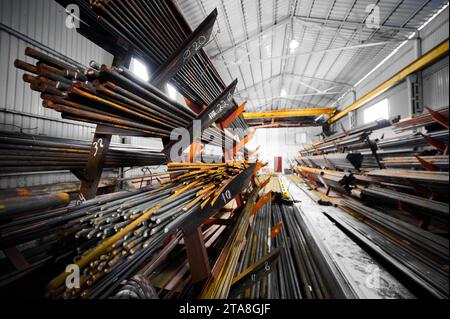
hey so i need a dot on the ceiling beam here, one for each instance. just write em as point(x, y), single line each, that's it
point(290, 113)
point(354, 25)
point(256, 36)
point(290, 97)
point(283, 57)
point(293, 75)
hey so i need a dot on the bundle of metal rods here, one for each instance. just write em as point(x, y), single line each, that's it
point(432, 181)
point(424, 206)
point(168, 270)
point(439, 161)
point(341, 161)
point(412, 140)
point(156, 29)
point(317, 277)
point(418, 258)
point(258, 245)
point(124, 233)
point(342, 141)
point(421, 120)
point(340, 181)
point(109, 96)
point(103, 96)
point(336, 145)
point(302, 270)
point(219, 284)
point(25, 153)
point(367, 128)
point(46, 236)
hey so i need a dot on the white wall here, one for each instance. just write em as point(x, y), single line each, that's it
point(285, 142)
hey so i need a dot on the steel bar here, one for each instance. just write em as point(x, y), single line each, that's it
point(24, 152)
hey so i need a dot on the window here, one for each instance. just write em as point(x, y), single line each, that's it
point(377, 111)
point(140, 69)
point(172, 92)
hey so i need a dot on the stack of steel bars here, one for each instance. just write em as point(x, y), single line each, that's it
point(342, 161)
point(258, 245)
point(432, 181)
point(219, 284)
point(340, 181)
point(417, 257)
point(109, 96)
point(168, 271)
point(425, 206)
point(342, 141)
point(439, 161)
point(420, 120)
point(156, 29)
point(26, 153)
point(113, 235)
point(303, 269)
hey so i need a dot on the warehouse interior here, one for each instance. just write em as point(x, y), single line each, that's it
point(224, 149)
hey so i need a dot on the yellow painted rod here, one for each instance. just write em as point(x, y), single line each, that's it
point(432, 56)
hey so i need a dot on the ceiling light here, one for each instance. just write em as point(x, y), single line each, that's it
point(293, 45)
point(283, 93)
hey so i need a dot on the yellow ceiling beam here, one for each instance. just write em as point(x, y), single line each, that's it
point(290, 113)
point(432, 56)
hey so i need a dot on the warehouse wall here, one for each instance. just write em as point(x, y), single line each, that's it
point(435, 85)
point(435, 77)
point(20, 108)
point(285, 142)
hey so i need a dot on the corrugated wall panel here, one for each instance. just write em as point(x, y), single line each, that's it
point(20, 108)
point(435, 85)
point(435, 32)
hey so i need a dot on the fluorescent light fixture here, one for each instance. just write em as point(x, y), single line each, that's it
point(293, 45)
point(283, 93)
point(139, 69)
point(172, 92)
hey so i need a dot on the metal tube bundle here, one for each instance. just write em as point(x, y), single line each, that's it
point(219, 284)
point(156, 29)
point(341, 141)
point(110, 96)
point(24, 153)
point(433, 181)
point(341, 181)
point(420, 120)
point(342, 161)
point(418, 258)
point(440, 161)
point(425, 206)
point(109, 237)
point(103, 95)
point(258, 245)
point(126, 232)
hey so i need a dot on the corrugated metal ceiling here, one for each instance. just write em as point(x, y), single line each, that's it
point(252, 37)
